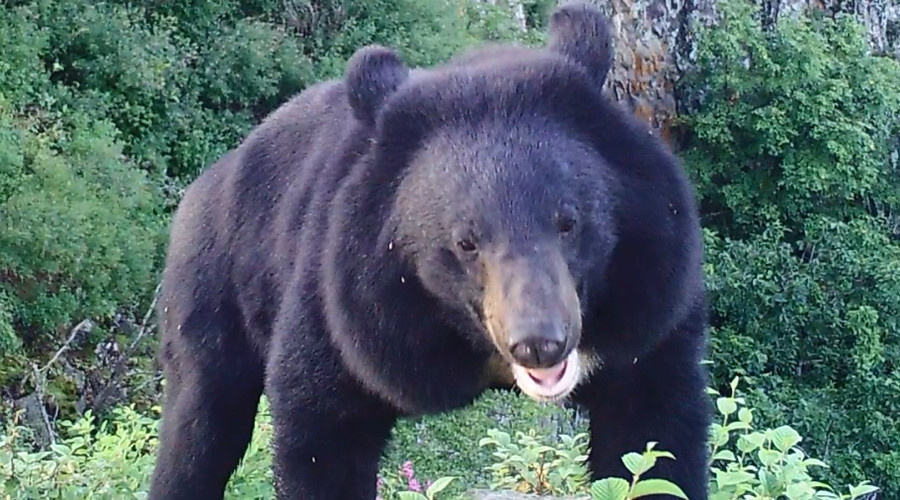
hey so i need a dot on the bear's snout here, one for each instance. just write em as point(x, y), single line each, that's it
point(533, 315)
point(531, 307)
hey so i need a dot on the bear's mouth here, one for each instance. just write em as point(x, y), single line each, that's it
point(549, 384)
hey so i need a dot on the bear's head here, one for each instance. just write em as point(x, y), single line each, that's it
point(506, 205)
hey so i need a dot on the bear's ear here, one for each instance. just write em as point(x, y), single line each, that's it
point(581, 33)
point(373, 73)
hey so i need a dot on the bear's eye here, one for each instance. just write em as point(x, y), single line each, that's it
point(466, 245)
point(565, 223)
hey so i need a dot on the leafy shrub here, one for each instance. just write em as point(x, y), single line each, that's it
point(617, 488)
point(763, 464)
point(790, 142)
point(745, 464)
point(22, 75)
point(531, 465)
point(79, 234)
point(790, 124)
point(179, 103)
point(110, 460)
point(9, 342)
point(114, 459)
point(444, 445)
point(404, 485)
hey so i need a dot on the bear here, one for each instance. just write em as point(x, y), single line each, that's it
point(395, 242)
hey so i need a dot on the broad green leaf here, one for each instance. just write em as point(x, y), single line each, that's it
point(438, 486)
point(726, 455)
point(611, 488)
point(769, 457)
point(726, 406)
point(636, 463)
point(784, 438)
point(737, 426)
point(749, 442)
point(732, 478)
point(862, 489)
point(647, 487)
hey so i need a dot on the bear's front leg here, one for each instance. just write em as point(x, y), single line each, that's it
point(657, 398)
point(328, 434)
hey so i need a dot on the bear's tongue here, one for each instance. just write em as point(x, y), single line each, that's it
point(547, 376)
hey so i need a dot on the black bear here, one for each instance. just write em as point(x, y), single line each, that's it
point(394, 243)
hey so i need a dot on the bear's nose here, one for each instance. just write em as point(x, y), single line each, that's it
point(538, 351)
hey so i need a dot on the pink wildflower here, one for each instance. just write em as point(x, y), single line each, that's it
point(407, 470)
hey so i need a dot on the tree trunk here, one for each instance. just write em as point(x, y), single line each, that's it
point(655, 44)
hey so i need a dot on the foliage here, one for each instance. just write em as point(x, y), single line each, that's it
point(178, 102)
point(763, 464)
point(616, 488)
point(529, 465)
point(9, 342)
point(109, 460)
point(792, 142)
point(790, 124)
point(114, 459)
point(404, 485)
point(745, 464)
point(79, 225)
point(444, 444)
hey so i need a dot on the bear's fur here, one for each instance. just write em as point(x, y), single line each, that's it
point(394, 243)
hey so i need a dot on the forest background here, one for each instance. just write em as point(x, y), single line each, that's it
point(788, 121)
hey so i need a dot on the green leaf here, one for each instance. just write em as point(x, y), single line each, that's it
point(726, 455)
point(637, 464)
point(726, 406)
point(737, 426)
point(438, 486)
point(749, 442)
point(410, 495)
point(862, 489)
point(798, 491)
point(611, 488)
point(784, 438)
point(732, 478)
point(719, 435)
point(647, 487)
point(815, 462)
point(745, 415)
point(769, 457)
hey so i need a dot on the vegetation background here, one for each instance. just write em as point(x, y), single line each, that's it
point(790, 129)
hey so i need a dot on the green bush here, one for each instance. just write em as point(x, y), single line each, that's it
point(178, 102)
point(79, 232)
point(790, 141)
point(80, 225)
point(114, 459)
point(446, 444)
point(9, 341)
